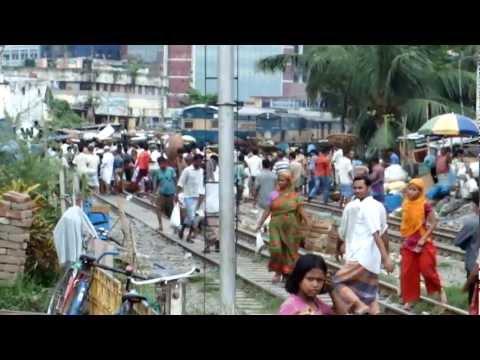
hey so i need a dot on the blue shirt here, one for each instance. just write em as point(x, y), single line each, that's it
point(166, 179)
point(394, 159)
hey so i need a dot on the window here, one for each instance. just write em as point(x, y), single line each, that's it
point(33, 54)
point(105, 87)
point(188, 124)
point(6, 56)
point(85, 86)
point(62, 85)
point(140, 88)
point(97, 87)
point(15, 55)
point(23, 54)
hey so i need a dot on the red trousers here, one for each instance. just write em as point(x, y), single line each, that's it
point(412, 265)
point(474, 305)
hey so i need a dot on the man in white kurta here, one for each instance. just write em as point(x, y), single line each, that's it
point(363, 226)
point(106, 168)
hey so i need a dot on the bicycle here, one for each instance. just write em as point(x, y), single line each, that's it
point(131, 297)
point(71, 292)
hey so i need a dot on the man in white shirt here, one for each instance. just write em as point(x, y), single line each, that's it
point(211, 205)
point(106, 169)
point(154, 167)
point(296, 170)
point(254, 163)
point(191, 184)
point(92, 168)
point(345, 177)
point(80, 161)
point(336, 156)
point(362, 229)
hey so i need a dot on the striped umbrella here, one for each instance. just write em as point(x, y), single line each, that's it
point(450, 125)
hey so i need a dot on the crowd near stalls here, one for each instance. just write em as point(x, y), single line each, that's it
point(279, 179)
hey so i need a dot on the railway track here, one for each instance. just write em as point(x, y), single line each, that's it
point(387, 290)
point(246, 265)
point(252, 270)
point(443, 238)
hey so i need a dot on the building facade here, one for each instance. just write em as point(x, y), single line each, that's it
point(16, 55)
point(118, 94)
point(196, 66)
point(112, 52)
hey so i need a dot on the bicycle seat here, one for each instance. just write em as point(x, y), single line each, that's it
point(87, 258)
point(133, 298)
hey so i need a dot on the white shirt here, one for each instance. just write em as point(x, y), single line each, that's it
point(360, 220)
point(65, 148)
point(255, 164)
point(106, 169)
point(191, 182)
point(344, 168)
point(80, 162)
point(154, 158)
point(337, 155)
point(92, 164)
point(212, 194)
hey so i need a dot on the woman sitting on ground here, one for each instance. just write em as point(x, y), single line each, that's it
point(306, 282)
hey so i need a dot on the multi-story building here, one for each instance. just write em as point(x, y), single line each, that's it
point(148, 54)
point(196, 66)
point(118, 92)
point(16, 55)
point(112, 52)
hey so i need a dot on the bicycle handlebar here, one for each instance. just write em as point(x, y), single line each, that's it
point(123, 272)
point(166, 278)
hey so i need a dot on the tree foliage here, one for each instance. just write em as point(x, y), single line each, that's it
point(196, 97)
point(62, 115)
point(363, 84)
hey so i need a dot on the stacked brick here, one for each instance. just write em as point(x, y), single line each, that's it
point(16, 217)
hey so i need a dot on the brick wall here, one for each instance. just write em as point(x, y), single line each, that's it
point(16, 218)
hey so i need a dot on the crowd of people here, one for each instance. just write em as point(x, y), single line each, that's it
point(279, 183)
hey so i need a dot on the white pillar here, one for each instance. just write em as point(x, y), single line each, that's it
point(477, 113)
point(227, 204)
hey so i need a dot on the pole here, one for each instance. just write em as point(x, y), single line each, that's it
point(460, 81)
point(62, 190)
point(478, 90)
point(225, 129)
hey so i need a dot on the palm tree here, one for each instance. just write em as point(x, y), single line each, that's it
point(368, 83)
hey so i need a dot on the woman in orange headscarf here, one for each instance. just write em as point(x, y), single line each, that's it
point(418, 251)
point(286, 208)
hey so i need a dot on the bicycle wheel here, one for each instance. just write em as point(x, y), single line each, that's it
point(78, 305)
point(125, 309)
point(58, 294)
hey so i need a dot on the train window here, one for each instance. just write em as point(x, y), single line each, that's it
point(199, 113)
point(188, 124)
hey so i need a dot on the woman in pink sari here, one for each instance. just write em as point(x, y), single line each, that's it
point(306, 282)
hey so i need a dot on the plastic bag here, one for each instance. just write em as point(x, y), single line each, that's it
point(246, 192)
point(259, 242)
point(175, 217)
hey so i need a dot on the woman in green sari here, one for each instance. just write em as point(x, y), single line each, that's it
point(286, 210)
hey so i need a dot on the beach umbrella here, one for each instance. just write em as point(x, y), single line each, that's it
point(450, 125)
